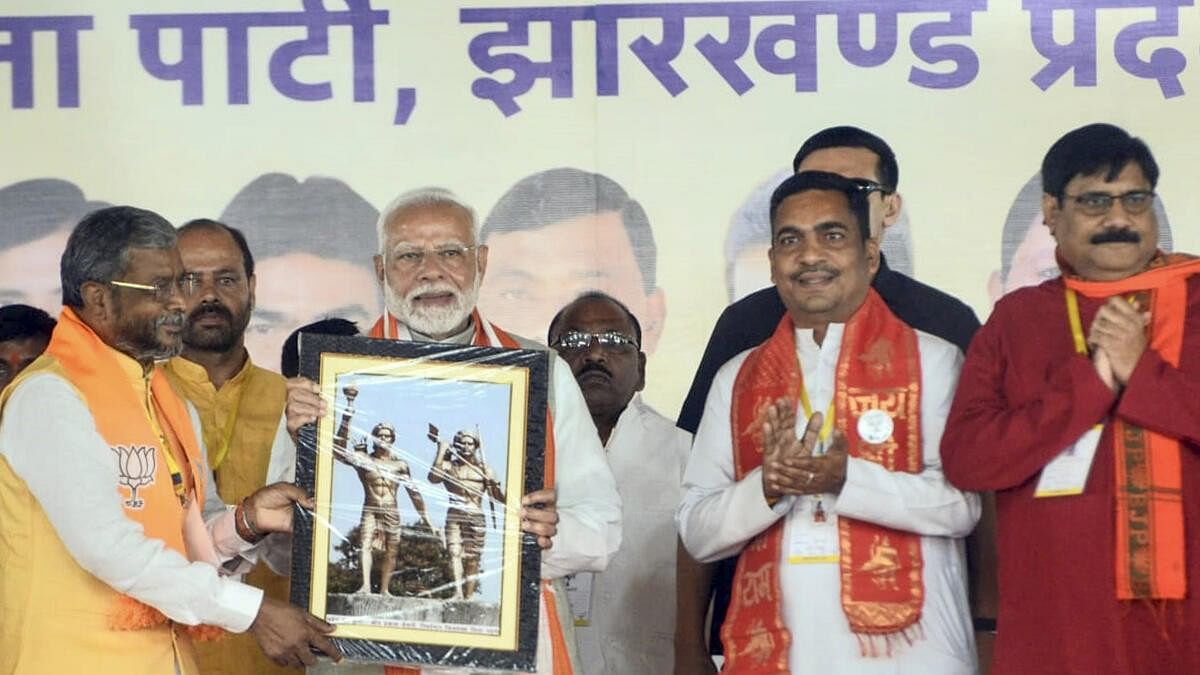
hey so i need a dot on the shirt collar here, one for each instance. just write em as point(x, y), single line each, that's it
point(194, 374)
point(630, 418)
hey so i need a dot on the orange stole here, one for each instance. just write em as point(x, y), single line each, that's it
point(558, 642)
point(881, 569)
point(93, 370)
point(1150, 545)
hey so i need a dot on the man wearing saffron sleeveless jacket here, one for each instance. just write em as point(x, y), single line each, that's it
point(112, 537)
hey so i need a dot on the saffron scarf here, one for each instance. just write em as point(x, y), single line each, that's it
point(1149, 507)
point(882, 589)
point(145, 481)
point(489, 335)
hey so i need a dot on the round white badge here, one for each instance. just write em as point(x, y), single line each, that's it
point(875, 426)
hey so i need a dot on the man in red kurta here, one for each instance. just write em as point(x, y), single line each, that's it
point(1079, 404)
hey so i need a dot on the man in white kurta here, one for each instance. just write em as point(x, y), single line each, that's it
point(819, 276)
point(625, 616)
point(430, 269)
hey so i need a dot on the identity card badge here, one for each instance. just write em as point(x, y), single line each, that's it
point(1067, 474)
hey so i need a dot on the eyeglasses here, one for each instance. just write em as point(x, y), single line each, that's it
point(163, 289)
point(869, 186)
point(576, 340)
point(1099, 203)
point(451, 255)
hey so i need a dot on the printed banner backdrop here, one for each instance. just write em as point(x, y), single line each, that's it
point(296, 120)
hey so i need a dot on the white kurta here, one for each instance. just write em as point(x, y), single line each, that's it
point(631, 627)
point(720, 515)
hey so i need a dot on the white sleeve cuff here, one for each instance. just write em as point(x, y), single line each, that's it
point(235, 606)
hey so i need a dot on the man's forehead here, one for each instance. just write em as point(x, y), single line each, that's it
point(813, 208)
point(209, 248)
point(421, 223)
point(844, 161)
point(153, 261)
point(596, 314)
point(1130, 174)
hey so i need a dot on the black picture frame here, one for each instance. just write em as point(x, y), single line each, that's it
point(414, 383)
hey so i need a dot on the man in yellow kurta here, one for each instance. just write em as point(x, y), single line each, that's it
point(240, 407)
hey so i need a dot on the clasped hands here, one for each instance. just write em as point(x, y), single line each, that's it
point(1117, 339)
point(789, 466)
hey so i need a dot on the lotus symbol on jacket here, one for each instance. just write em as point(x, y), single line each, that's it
point(135, 468)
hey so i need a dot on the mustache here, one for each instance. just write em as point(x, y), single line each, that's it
point(1116, 235)
point(429, 288)
point(594, 367)
point(173, 319)
point(825, 269)
point(211, 308)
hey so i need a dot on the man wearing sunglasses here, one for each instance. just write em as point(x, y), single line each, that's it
point(870, 162)
point(1079, 405)
point(625, 616)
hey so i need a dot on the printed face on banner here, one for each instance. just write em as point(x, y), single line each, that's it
point(1114, 244)
point(296, 289)
point(29, 272)
point(819, 262)
point(1033, 262)
point(535, 273)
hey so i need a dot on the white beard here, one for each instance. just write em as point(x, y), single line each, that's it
point(432, 321)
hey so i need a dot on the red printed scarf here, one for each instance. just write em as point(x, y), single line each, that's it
point(490, 335)
point(1149, 510)
point(881, 569)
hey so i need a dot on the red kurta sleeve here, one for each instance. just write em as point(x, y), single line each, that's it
point(1163, 398)
point(996, 440)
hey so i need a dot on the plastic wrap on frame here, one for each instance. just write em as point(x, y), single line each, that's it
point(429, 449)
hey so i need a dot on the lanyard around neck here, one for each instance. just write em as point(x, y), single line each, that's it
point(827, 423)
point(1081, 346)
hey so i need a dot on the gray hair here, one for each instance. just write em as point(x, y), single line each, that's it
point(422, 197)
point(99, 246)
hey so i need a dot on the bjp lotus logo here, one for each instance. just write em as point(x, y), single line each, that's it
point(135, 468)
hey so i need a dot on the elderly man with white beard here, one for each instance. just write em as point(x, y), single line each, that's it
point(430, 267)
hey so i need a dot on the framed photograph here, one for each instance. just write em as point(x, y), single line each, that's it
point(415, 550)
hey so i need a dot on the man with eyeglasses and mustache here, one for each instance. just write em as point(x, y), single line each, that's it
point(240, 405)
point(430, 266)
point(114, 543)
point(1079, 405)
point(625, 616)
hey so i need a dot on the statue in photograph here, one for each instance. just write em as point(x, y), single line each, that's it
point(462, 468)
point(381, 474)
